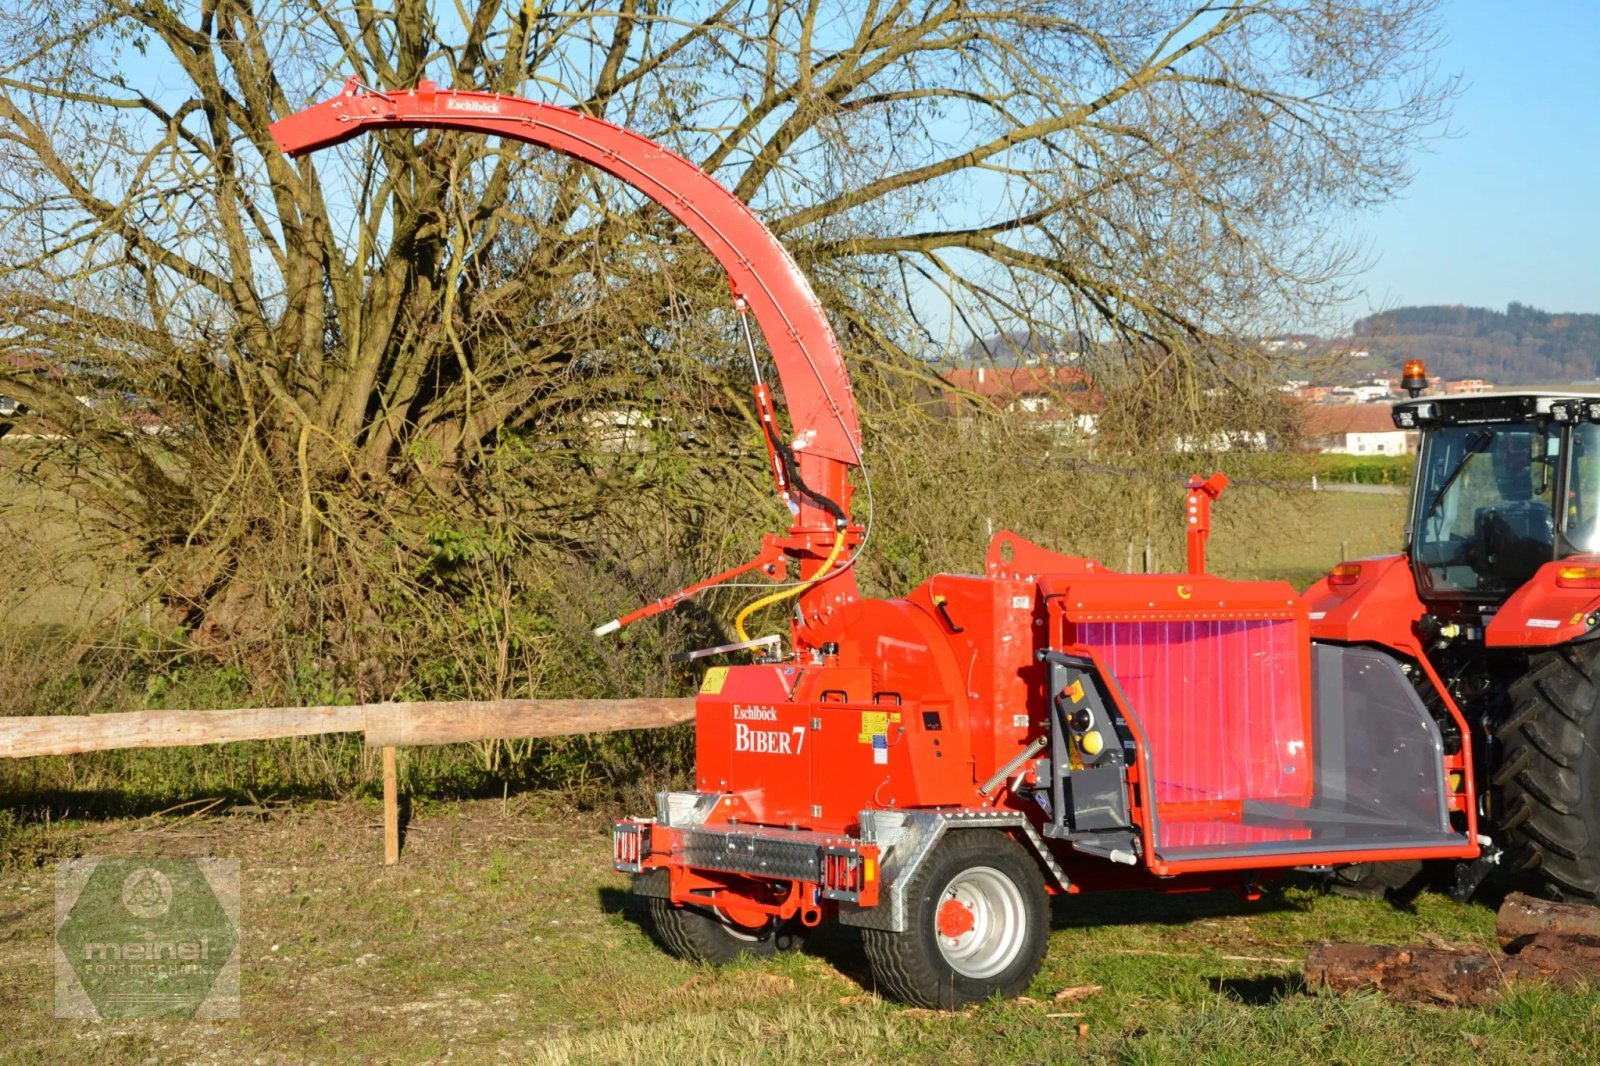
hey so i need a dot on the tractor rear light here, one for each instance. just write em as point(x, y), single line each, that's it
point(1345, 574)
point(1578, 577)
point(630, 846)
point(846, 873)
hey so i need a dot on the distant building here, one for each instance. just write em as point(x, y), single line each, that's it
point(1056, 396)
point(1359, 394)
point(1225, 440)
point(1465, 386)
point(1354, 429)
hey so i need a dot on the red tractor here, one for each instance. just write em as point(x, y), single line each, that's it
point(931, 768)
point(1498, 593)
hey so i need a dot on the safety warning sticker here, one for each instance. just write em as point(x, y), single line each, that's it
point(873, 724)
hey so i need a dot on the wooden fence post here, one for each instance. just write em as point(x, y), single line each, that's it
point(391, 808)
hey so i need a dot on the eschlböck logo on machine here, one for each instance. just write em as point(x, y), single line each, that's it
point(484, 107)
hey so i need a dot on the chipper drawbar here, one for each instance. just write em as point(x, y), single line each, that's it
point(931, 768)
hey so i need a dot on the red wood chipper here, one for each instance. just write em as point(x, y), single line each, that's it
point(931, 768)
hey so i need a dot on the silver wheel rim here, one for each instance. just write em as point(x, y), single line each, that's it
point(998, 922)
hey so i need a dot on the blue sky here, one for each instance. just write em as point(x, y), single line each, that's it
point(1509, 208)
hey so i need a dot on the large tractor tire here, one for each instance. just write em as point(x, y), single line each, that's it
point(706, 936)
point(978, 923)
point(1549, 773)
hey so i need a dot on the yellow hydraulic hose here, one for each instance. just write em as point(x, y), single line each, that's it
point(789, 593)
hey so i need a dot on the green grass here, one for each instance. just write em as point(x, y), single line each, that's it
point(503, 933)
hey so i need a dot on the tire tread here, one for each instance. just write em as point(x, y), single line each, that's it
point(1549, 773)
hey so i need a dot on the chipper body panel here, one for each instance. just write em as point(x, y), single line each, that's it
point(1179, 726)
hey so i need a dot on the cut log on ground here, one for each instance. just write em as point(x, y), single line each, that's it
point(1412, 974)
point(1522, 916)
point(1546, 942)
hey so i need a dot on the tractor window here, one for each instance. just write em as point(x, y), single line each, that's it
point(1484, 522)
point(1580, 525)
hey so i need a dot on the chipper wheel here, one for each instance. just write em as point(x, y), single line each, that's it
point(1549, 775)
point(707, 936)
point(977, 925)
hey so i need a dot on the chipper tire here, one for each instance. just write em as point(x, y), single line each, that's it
point(704, 936)
point(1549, 773)
point(978, 923)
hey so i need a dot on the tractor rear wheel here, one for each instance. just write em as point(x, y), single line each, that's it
point(1549, 773)
point(978, 923)
point(707, 936)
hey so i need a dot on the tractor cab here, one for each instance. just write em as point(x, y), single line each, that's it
point(1504, 484)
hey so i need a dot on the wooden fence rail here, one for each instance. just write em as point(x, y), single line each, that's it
point(385, 725)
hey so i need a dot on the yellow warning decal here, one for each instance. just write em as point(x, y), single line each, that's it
point(714, 680)
point(872, 722)
point(894, 717)
point(1075, 691)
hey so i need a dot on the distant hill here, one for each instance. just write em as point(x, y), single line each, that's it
point(1521, 345)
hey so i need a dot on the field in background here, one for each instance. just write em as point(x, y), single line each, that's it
point(50, 580)
point(1297, 536)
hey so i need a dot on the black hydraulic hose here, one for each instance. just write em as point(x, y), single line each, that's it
point(791, 468)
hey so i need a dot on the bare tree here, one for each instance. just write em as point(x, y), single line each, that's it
point(357, 372)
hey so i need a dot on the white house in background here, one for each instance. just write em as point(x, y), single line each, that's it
point(1355, 429)
point(1360, 394)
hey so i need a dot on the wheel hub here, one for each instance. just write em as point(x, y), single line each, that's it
point(980, 923)
point(955, 919)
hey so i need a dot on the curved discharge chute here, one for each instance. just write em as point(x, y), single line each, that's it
point(811, 470)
